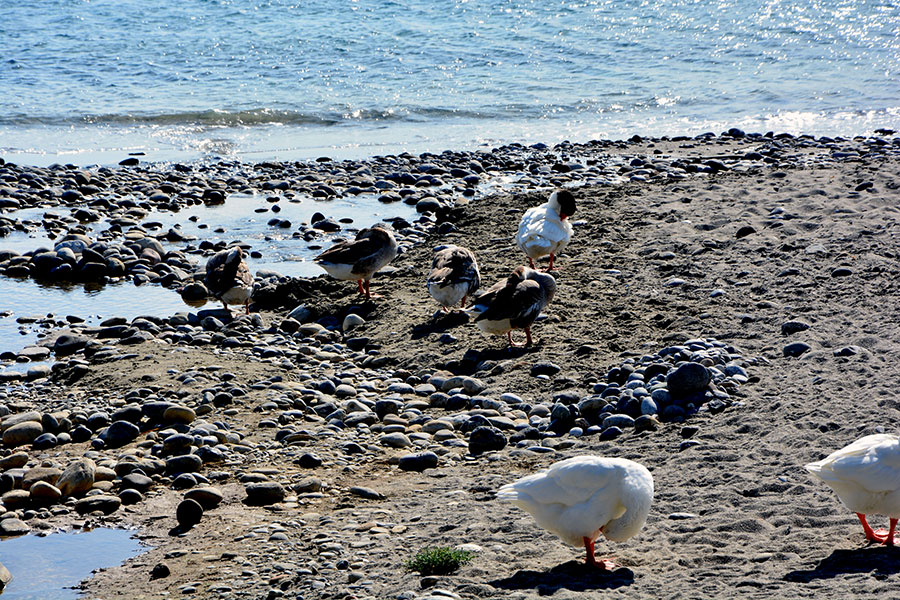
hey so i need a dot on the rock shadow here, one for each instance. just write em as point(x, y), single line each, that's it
point(878, 560)
point(574, 576)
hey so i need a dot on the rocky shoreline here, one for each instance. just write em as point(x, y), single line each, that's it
point(308, 449)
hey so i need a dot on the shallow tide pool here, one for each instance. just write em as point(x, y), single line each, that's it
point(48, 568)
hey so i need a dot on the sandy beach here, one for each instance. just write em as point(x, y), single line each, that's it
point(749, 244)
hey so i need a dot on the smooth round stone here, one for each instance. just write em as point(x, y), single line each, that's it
point(184, 481)
point(352, 320)
point(436, 425)
point(345, 391)
point(419, 461)
point(609, 433)
point(16, 499)
point(185, 463)
point(620, 421)
point(136, 481)
point(13, 526)
point(102, 502)
point(44, 441)
point(188, 513)
point(400, 388)
point(796, 349)
point(486, 439)
point(264, 493)
point(77, 478)
point(308, 485)
point(179, 414)
point(22, 433)
point(309, 461)
point(13, 461)
point(688, 378)
point(44, 492)
point(178, 443)
point(207, 496)
point(120, 433)
point(130, 496)
point(394, 440)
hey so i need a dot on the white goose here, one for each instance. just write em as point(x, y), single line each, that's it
point(580, 498)
point(545, 229)
point(866, 478)
point(228, 278)
point(454, 276)
point(514, 303)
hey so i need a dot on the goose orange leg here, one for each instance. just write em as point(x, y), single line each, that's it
point(881, 536)
point(370, 295)
point(359, 287)
point(602, 564)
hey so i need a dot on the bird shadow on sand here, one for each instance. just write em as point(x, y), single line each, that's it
point(574, 576)
point(878, 560)
point(439, 323)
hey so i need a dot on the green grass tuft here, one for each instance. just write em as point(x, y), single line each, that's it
point(438, 561)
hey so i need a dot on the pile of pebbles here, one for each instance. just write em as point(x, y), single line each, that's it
point(132, 247)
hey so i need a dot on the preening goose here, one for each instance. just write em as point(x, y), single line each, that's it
point(228, 278)
point(454, 276)
point(514, 303)
point(866, 478)
point(359, 259)
point(580, 498)
point(545, 229)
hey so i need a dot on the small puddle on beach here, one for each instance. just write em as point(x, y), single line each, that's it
point(27, 298)
point(47, 568)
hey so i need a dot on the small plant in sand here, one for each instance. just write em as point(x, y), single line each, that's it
point(438, 561)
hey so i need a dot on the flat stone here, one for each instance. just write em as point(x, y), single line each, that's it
point(419, 461)
point(208, 496)
point(13, 526)
point(367, 493)
point(264, 493)
point(104, 503)
point(23, 433)
point(796, 349)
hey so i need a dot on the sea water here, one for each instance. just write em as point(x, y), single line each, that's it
point(89, 81)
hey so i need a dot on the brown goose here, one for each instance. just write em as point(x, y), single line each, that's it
point(228, 278)
point(359, 259)
point(454, 276)
point(514, 303)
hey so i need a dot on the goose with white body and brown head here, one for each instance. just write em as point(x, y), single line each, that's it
point(514, 303)
point(359, 259)
point(581, 498)
point(228, 278)
point(454, 276)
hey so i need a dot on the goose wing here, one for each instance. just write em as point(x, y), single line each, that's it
point(453, 266)
point(225, 269)
point(520, 302)
point(872, 463)
point(568, 483)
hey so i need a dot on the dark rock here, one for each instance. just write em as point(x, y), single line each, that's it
point(104, 503)
point(790, 327)
point(264, 493)
point(486, 439)
point(688, 378)
point(420, 461)
point(367, 493)
point(120, 433)
point(796, 349)
point(188, 514)
point(545, 368)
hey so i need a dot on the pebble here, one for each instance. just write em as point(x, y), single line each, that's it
point(264, 493)
point(796, 349)
point(188, 513)
point(420, 461)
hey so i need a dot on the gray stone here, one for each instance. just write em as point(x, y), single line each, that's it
point(5, 577)
point(789, 327)
point(264, 493)
point(120, 433)
point(77, 478)
point(13, 526)
point(102, 502)
point(23, 433)
point(395, 440)
point(486, 439)
point(796, 349)
point(687, 379)
point(184, 463)
point(208, 496)
point(367, 493)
